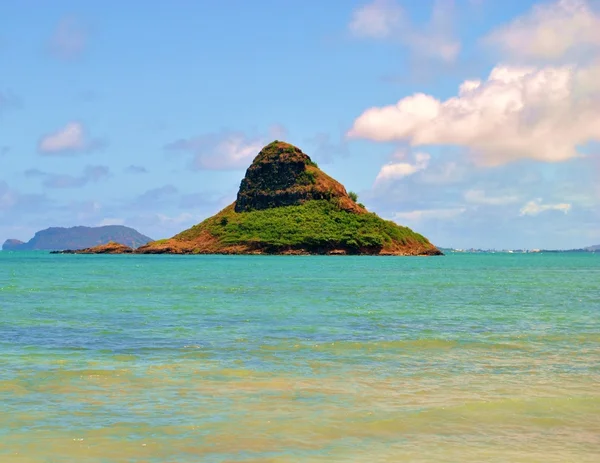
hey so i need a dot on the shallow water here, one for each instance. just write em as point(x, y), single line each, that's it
point(467, 358)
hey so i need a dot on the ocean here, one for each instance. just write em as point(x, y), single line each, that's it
point(181, 359)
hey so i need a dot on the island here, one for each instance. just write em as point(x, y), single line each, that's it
point(108, 248)
point(287, 205)
point(59, 238)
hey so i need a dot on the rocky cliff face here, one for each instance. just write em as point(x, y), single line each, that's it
point(282, 175)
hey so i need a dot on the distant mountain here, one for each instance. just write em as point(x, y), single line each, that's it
point(58, 238)
point(595, 248)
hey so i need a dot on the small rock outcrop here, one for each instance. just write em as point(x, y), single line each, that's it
point(108, 248)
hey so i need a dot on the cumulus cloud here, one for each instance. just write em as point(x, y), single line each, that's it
point(52, 180)
point(550, 31)
point(387, 20)
point(69, 39)
point(396, 170)
point(518, 112)
point(225, 151)
point(378, 19)
point(477, 196)
point(536, 207)
point(69, 140)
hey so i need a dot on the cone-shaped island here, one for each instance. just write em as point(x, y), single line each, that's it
point(287, 205)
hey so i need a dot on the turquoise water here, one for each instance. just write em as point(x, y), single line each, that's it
point(471, 358)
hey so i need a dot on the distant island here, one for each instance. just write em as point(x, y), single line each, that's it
point(287, 205)
point(595, 248)
point(58, 238)
point(592, 249)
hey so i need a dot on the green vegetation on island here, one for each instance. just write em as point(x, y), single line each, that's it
point(318, 225)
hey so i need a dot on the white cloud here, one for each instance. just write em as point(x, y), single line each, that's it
point(378, 19)
point(476, 196)
point(386, 20)
point(231, 150)
point(535, 207)
point(542, 114)
point(69, 39)
point(396, 170)
point(429, 214)
point(71, 139)
point(550, 31)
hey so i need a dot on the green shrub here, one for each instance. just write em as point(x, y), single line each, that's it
point(307, 178)
point(314, 223)
point(353, 196)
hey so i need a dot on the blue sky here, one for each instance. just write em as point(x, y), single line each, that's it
point(474, 122)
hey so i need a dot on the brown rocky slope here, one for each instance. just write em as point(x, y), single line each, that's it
point(287, 205)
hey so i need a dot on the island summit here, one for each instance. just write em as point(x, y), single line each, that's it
point(287, 205)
